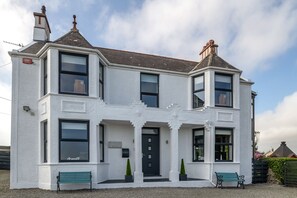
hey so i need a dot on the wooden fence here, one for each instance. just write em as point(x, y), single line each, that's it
point(4, 157)
point(260, 171)
point(290, 173)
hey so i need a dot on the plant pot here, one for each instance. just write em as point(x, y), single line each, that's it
point(128, 178)
point(183, 177)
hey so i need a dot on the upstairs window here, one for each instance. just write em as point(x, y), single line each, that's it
point(101, 81)
point(223, 90)
point(198, 145)
point(149, 89)
point(45, 88)
point(224, 144)
point(73, 74)
point(198, 91)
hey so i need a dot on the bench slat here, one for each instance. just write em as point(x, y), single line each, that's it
point(74, 177)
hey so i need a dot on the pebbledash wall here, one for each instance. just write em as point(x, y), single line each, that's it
point(123, 116)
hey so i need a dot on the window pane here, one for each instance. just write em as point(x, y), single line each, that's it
point(149, 83)
point(199, 99)
point(74, 131)
point(101, 90)
point(150, 100)
point(223, 98)
point(74, 63)
point(149, 87)
point(101, 72)
point(223, 82)
point(74, 151)
point(198, 137)
point(198, 83)
point(70, 83)
point(224, 152)
point(198, 153)
point(150, 131)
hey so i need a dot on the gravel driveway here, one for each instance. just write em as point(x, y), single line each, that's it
point(259, 190)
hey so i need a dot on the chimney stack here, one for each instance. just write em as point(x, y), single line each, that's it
point(41, 29)
point(283, 143)
point(209, 48)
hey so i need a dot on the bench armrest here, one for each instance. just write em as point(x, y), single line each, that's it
point(241, 177)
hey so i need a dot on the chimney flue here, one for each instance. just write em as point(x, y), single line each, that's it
point(209, 48)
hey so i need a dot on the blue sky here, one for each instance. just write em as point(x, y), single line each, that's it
point(258, 37)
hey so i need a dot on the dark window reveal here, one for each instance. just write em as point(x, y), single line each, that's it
point(101, 81)
point(45, 142)
point(101, 142)
point(45, 83)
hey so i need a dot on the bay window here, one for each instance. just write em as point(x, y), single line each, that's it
point(74, 141)
point(198, 91)
point(223, 144)
point(73, 74)
point(198, 144)
point(223, 90)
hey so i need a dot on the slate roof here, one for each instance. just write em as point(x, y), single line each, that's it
point(121, 57)
point(73, 38)
point(214, 60)
point(283, 151)
point(147, 60)
point(33, 49)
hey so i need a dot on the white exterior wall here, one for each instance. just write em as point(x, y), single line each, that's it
point(122, 91)
point(25, 126)
point(246, 153)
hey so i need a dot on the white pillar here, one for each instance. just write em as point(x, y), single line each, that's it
point(138, 174)
point(174, 173)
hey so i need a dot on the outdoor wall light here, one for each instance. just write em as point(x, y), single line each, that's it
point(28, 109)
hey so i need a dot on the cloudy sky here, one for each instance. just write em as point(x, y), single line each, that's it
point(257, 36)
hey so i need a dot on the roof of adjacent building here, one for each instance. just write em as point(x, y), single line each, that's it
point(121, 57)
point(283, 151)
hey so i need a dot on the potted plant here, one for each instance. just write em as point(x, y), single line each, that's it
point(128, 176)
point(182, 175)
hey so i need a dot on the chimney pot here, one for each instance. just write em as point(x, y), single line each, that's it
point(43, 9)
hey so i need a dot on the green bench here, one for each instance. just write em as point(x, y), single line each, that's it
point(229, 177)
point(74, 178)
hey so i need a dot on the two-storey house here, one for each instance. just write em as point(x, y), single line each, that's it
point(77, 107)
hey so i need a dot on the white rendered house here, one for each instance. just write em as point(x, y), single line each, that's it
point(77, 107)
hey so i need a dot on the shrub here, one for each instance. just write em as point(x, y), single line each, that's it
point(277, 166)
point(182, 168)
point(128, 168)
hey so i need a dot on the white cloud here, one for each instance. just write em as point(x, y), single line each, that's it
point(279, 125)
point(17, 23)
point(253, 31)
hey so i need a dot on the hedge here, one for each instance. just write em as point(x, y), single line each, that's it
point(277, 166)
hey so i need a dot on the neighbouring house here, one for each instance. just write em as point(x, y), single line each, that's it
point(77, 107)
point(283, 151)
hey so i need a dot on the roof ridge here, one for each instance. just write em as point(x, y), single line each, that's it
point(140, 53)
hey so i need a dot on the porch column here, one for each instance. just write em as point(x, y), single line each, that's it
point(174, 173)
point(138, 174)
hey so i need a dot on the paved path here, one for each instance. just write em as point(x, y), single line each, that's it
point(257, 191)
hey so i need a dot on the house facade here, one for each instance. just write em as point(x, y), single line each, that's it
point(77, 107)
